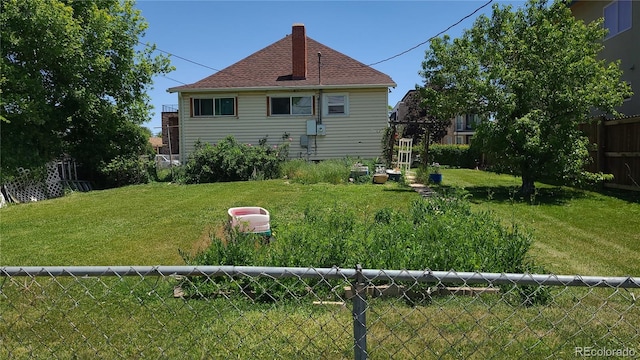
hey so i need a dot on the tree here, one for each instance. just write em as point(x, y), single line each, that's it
point(533, 76)
point(73, 82)
point(421, 125)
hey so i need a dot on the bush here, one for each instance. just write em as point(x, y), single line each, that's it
point(123, 171)
point(233, 161)
point(463, 156)
point(588, 180)
point(441, 233)
point(387, 142)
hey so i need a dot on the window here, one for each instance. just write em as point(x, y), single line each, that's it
point(202, 107)
point(292, 105)
point(459, 122)
point(472, 121)
point(335, 104)
point(215, 106)
point(225, 106)
point(617, 17)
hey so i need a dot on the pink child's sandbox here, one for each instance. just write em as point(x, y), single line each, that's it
point(250, 219)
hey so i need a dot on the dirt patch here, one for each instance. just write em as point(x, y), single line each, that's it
point(209, 232)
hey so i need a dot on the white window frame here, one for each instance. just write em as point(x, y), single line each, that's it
point(325, 104)
point(291, 96)
point(213, 100)
point(614, 6)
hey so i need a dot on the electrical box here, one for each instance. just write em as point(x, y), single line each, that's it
point(304, 141)
point(311, 127)
point(321, 129)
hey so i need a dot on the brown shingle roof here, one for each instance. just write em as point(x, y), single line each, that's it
point(272, 67)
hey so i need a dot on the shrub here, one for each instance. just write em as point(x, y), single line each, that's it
point(233, 161)
point(387, 142)
point(123, 171)
point(441, 233)
point(463, 156)
point(588, 180)
point(174, 174)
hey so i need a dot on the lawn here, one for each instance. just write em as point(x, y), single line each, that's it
point(147, 224)
point(106, 317)
point(575, 231)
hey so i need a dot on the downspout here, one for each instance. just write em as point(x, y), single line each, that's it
point(319, 89)
point(319, 122)
point(181, 147)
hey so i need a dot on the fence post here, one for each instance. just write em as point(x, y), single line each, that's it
point(359, 316)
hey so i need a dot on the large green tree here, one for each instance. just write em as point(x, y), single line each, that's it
point(533, 75)
point(74, 81)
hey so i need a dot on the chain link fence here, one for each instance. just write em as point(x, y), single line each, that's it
point(308, 313)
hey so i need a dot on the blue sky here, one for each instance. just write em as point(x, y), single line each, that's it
point(220, 33)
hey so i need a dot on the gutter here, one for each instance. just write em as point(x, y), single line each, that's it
point(279, 87)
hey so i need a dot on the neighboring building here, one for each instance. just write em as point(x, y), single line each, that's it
point(622, 43)
point(399, 111)
point(156, 144)
point(460, 131)
point(170, 130)
point(331, 105)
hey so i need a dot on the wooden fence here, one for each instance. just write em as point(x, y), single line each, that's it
point(616, 151)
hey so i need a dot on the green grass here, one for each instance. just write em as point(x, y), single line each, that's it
point(575, 231)
point(147, 224)
point(107, 317)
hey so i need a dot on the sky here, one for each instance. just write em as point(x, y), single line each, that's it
point(206, 36)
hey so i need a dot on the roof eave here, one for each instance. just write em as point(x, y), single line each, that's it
point(281, 88)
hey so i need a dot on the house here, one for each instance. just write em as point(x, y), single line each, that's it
point(618, 140)
point(460, 131)
point(621, 43)
point(327, 103)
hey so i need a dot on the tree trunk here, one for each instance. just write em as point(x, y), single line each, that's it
point(528, 186)
point(425, 142)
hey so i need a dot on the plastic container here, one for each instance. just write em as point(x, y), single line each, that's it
point(250, 219)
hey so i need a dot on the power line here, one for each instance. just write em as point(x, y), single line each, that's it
point(375, 63)
point(178, 81)
point(433, 37)
point(180, 57)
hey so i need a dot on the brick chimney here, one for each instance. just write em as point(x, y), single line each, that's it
point(299, 51)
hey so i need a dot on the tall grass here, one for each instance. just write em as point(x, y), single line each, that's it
point(328, 171)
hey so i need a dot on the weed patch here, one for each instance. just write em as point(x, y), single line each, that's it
point(441, 233)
